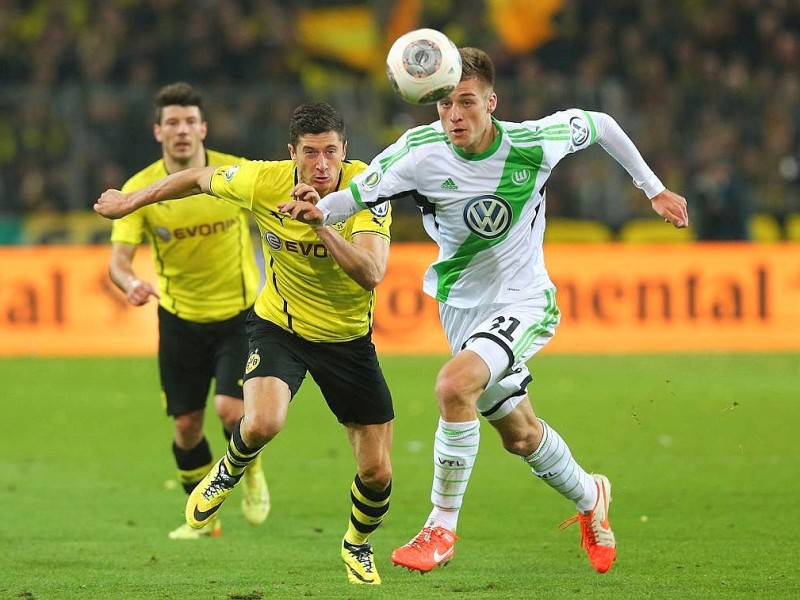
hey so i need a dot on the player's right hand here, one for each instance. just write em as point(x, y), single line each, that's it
point(303, 208)
point(113, 204)
point(303, 191)
point(672, 207)
point(140, 291)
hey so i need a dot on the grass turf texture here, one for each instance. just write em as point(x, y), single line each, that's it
point(701, 451)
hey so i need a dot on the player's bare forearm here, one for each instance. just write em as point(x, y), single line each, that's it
point(672, 207)
point(121, 271)
point(364, 260)
point(114, 204)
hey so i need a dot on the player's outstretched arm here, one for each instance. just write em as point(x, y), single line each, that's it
point(114, 204)
point(672, 207)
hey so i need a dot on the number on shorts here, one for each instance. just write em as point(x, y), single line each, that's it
point(508, 331)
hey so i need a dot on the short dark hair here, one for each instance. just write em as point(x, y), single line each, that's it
point(317, 117)
point(477, 63)
point(177, 94)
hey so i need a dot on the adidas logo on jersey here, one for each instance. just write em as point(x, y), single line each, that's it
point(449, 184)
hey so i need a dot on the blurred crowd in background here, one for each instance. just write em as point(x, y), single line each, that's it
point(708, 89)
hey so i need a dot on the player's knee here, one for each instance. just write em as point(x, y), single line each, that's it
point(260, 429)
point(189, 428)
point(376, 477)
point(451, 389)
point(229, 410)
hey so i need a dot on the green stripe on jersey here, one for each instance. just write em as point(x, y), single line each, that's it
point(426, 135)
point(516, 194)
point(591, 126)
point(357, 195)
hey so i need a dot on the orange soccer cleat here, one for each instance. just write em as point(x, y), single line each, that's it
point(596, 534)
point(431, 547)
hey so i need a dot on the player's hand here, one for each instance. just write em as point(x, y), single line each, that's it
point(303, 207)
point(303, 191)
point(672, 208)
point(139, 292)
point(113, 204)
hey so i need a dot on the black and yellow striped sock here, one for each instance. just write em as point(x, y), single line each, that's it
point(367, 511)
point(239, 454)
point(192, 464)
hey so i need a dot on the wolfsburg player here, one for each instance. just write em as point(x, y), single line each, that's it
point(207, 284)
point(313, 315)
point(479, 184)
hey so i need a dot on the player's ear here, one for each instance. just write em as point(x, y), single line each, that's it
point(292, 153)
point(157, 132)
point(344, 150)
point(203, 130)
point(492, 103)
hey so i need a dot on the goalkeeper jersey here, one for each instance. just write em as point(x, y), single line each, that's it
point(306, 291)
point(202, 246)
point(485, 211)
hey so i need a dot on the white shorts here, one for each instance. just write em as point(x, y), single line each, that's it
point(505, 336)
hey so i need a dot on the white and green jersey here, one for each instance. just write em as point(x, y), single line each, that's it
point(485, 211)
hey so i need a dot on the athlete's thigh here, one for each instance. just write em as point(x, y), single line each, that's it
point(505, 337)
point(274, 352)
point(185, 363)
point(351, 380)
point(230, 356)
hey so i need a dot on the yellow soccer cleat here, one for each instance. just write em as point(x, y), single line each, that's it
point(184, 532)
point(255, 493)
point(208, 495)
point(359, 563)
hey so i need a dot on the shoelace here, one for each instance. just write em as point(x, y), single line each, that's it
point(589, 535)
point(223, 481)
point(362, 554)
point(423, 537)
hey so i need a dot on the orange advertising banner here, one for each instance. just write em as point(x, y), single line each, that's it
point(58, 300)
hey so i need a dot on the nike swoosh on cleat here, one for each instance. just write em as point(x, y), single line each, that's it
point(202, 515)
point(358, 575)
point(604, 523)
point(437, 558)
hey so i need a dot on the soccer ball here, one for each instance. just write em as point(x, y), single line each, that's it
point(424, 66)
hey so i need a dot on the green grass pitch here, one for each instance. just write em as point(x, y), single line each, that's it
point(701, 450)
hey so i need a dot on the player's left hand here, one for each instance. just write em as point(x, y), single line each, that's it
point(113, 204)
point(672, 207)
point(303, 211)
point(305, 192)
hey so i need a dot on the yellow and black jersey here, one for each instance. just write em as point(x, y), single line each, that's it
point(202, 247)
point(306, 291)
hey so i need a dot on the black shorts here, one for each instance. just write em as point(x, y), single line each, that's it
point(348, 373)
point(191, 354)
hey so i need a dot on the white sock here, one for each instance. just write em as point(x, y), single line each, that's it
point(552, 462)
point(455, 448)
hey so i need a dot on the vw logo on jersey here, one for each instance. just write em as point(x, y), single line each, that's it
point(579, 130)
point(488, 216)
point(380, 210)
point(273, 241)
